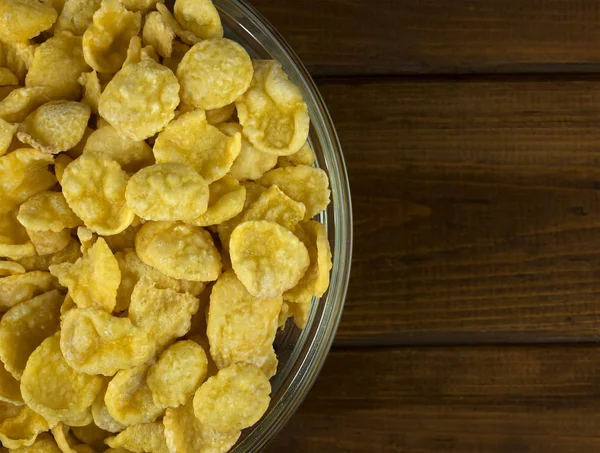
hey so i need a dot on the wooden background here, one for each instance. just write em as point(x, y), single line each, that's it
point(471, 131)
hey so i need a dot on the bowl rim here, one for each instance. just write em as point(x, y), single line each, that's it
point(316, 339)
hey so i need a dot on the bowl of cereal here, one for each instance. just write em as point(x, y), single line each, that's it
point(175, 227)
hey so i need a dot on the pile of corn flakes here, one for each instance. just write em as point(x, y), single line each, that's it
point(156, 197)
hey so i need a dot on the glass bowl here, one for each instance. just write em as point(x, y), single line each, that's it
point(301, 353)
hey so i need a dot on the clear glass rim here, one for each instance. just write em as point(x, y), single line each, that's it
point(315, 341)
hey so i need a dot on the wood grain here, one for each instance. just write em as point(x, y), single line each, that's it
point(459, 400)
point(357, 37)
point(477, 208)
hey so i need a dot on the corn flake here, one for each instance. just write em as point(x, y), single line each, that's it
point(53, 389)
point(61, 162)
point(267, 258)
point(164, 313)
point(129, 399)
point(141, 438)
point(220, 115)
point(167, 192)
point(199, 17)
point(158, 34)
point(241, 328)
point(184, 433)
point(178, 250)
point(91, 89)
point(17, 288)
point(21, 20)
point(7, 132)
point(23, 173)
point(272, 111)
point(305, 184)
point(95, 342)
point(92, 280)
point(19, 428)
point(105, 43)
point(102, 417)
point(250, 163)
point(226, 200)
point(64, 55)
point(186, 36)
point(55, 127)
point(140, 100)
point(275, 206)
point(177, 374)
point(69, 254)
point(94, 187)
point(191, 140)
point(214, 73)
point(76, 16)
point(236, 398)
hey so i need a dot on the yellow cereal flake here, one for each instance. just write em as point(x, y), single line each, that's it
point(132, 271)
point(64, 55)
point(250, 163)
point(15, 107)
point(186, 36)
point(7, 132)
point(305, 156)
point(10, 391)
point(94, 187)
point(49, 242)
point(55, 127)
point(158, 34)
point(141, 437)
point(102, 417)
point(267, 258)
point(214, 73)
point(106, 41)
point(20, 427)
point(199, 17)
point(60, 163)
point(95, 342)
point(168, 191)
point(91, 89)
point(308, 185)
point(275, 206)
point(10, 268)
point(272, 111)
point(140, 100)
point(69, 254)
point(131, 155)
point(178, 50)
point(21, 20)
point(76, 16)
point(178, 250)
point(177, 374)
point(236, 398)
point(23, 173)
point(15, 289)
point(7, 77)
point(226, 200)
point(129, 399)
point(241, 328)
point(164, 313)
point(220, 115)
point(191, 140)
point(186, 434)
point(93, 279)
point(53, 389)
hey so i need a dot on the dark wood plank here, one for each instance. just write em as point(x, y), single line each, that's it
point(477, 209)
point(336, 37)
point(459, 400)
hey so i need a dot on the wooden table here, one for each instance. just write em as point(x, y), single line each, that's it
point(471, 131)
